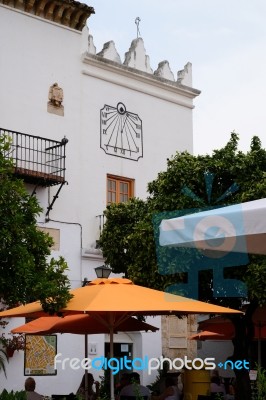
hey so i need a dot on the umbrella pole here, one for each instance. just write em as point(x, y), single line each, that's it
point(86, 370)
point(111, 356)
point(259, 345)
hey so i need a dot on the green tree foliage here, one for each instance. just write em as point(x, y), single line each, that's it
point(25, 273)
point(3, 360)
point(121, 221)
point(228, 176)
point(127, 239)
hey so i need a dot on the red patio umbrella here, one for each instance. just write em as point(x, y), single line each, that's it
point(208, 335)
point(82, 324)
point(225, 327)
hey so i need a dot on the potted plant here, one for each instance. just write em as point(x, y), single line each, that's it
point(12, 343)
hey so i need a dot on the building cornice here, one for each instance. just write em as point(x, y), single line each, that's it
point(92, 254)
point(68, 13)
point(139, 80)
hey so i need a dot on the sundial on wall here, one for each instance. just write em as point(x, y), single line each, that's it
point(121, 132)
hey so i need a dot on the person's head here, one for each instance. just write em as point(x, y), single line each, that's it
point(125, 379)
point(134, 377)
point(215, 373)
point(90, 380)
point(169, 381)
point(215, 379)
point(30, 385)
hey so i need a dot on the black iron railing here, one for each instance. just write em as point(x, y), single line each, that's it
point(37, 160)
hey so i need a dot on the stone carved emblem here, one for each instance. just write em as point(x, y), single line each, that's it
point(55, 97)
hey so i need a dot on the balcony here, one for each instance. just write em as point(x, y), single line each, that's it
point(36, 160)
point(101, 221)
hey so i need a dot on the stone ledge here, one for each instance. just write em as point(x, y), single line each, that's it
point(145, 77)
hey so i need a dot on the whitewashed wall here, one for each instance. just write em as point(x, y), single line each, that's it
point(220, 350)
point(35, 54)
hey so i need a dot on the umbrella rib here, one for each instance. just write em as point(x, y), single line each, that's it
point(112, 322)
point(123, 318)
point(100, 319)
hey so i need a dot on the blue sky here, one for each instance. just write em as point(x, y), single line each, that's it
point(224, 40)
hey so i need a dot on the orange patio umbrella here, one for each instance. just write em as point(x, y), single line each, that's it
point(81, 324)
point(208, 335)
point(114, 300)
point(122, 298)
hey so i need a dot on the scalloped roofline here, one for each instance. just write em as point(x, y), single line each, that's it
point(69, 13)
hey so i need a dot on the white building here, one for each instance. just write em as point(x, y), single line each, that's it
point(44, 43)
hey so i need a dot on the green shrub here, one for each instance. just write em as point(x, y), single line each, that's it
point(19, 395)
point(261, 382)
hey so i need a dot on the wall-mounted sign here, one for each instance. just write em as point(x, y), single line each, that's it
point(39, 355)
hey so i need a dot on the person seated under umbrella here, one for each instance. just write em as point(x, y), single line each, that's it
point(92, 395)
point(30, 385)
point(134, 390)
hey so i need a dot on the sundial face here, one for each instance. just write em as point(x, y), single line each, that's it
point(121, 132)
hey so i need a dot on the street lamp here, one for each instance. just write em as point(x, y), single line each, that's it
point(103, 271)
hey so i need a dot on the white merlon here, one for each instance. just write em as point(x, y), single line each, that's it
point(184, 76)
point(164, 71)
point(91, 47)
point(110, 53)
point(136, 57)
point(84, 39)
